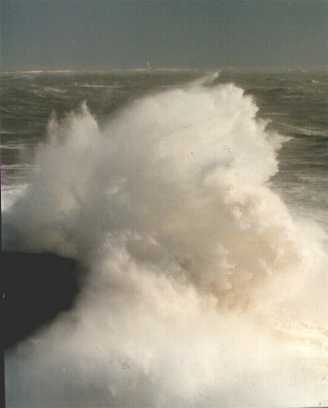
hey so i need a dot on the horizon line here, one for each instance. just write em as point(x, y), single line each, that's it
point(104, 69)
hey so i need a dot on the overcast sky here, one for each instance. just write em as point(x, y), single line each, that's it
point(196, 33)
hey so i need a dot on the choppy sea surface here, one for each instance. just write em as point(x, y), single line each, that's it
point(222, 230)
point(295, 103)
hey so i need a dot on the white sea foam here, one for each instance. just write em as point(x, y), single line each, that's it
point(200, 279)
point(10, 195)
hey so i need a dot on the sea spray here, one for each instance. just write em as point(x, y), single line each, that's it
point(197, 267)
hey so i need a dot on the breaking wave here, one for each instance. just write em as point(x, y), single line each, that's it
point(200, 277)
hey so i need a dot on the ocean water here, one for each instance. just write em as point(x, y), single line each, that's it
point(199, 204)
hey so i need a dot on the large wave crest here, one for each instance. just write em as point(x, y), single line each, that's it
point(197, 268)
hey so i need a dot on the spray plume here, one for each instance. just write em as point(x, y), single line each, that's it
point(197, 268)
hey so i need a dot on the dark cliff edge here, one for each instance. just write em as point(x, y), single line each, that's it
point(35, 289)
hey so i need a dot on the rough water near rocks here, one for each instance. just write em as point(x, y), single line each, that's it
point(198, 204)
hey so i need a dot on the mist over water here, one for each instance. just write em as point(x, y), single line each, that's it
point(204, 287)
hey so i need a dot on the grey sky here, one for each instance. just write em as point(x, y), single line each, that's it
point(127, 33)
